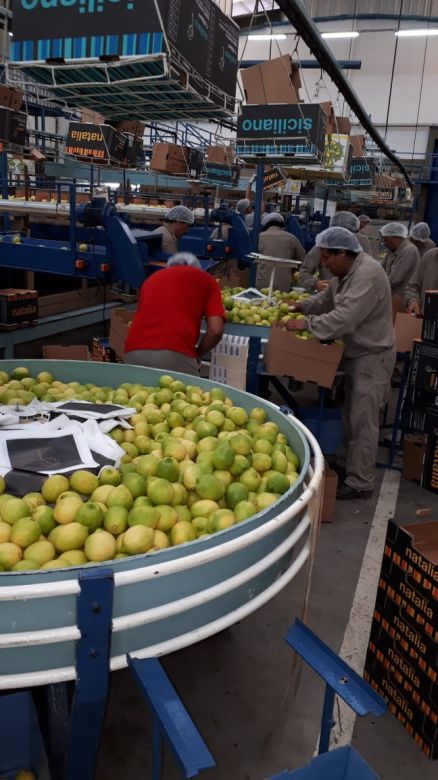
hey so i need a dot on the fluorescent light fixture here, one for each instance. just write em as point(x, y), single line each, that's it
point(346, 34)
point(267, 37)
point(418, 33)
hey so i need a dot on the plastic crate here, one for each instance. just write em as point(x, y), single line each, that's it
point(339, 764)
point(21, 743)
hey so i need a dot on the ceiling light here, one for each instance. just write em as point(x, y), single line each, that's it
point(267, 37)
point(346, 34)
point(418, 33)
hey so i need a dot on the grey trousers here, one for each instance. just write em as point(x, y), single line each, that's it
point(164, 359)
point(367, 383)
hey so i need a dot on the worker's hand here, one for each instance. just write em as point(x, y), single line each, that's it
point(321, 285)
point(295, 306)
point(296, 324)
point(414, 308)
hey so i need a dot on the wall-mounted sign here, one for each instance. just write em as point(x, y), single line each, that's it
point(276, 124)
point(271, 177)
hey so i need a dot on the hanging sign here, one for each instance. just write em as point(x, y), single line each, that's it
point(221, 174)
point(362, 171)
point(276, 124)
point(273, 176)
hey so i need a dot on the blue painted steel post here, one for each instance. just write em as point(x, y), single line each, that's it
point(157, 746)
point(327, 721)
point(257, 217)
point(254, 348)
point(94, 616)
point(72, 222)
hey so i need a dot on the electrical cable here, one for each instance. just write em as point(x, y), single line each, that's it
point(421, 84)
point(391, 83)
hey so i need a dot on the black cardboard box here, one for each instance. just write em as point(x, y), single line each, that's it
point(429, 479)
point(430, 321)
point(423, 371)
point(17, 306)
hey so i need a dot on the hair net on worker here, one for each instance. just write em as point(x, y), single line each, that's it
point(273, 218)
point(180, 214)
point(347, 220)
point(420, 231)
point(184, 258)
point(394, 230)
point(338, 238)
point(364, 218)
point(242, 205)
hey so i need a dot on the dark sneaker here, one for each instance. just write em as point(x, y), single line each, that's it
point(345, 492)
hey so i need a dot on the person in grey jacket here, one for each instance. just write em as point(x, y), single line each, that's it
point(355, 307)
point(424, 278)
point(402, 257)
point(420, 237)
point(312, 264)
point(274, 241)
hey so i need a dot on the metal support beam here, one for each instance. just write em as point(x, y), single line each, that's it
point(305, 26)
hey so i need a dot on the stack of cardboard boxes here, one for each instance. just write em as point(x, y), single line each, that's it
point(421, 403)
point(401, 663)
point(12, 120)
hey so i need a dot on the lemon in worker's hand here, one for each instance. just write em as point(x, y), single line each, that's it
point(25, 532)
point(109, 476)
point(100, 546)
point(65, 510)
point(137, 539)
point(90, 515)
point(120, 496)
point(34, 500)
point(10, 554)
point(13, 509)
point(40, 552)
point(53, 486)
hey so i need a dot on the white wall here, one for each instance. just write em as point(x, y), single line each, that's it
point(375, 48)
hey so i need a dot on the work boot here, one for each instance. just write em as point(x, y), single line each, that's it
point(345, 493)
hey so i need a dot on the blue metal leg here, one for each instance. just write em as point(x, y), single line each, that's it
point(170, 721)
point(397, 416)
point(327, 721)
point(255, 345)
point(322, 397)
point(94, 615)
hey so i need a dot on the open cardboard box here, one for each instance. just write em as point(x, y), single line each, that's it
point(407, 329)
point(273, 81)
point(119, 326)
point(304, 360)
point(72, 352)
point(414, 449)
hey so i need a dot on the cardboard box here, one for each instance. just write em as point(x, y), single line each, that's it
point(420, 410)
point(17, 306)
point(429, 478)
point(414, 449)
point(430, 322)
point(342, 125)
point(402, 655)
point(72, 352)
point(229, 361)
point(223, 155)
point(327, 107)
point(330, 488)
point(119, 326)
point(305, 361)
point(91, 117)
point(273, 81)
point(169, 158)
point(423, 371)
point(358, 145)
point(130, 126)
point(10, 97)
point(407, 329)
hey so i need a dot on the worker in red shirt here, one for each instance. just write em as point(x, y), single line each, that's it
point(172, 303)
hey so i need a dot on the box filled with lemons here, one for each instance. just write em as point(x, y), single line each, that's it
point(261, 312)
point(195, 463)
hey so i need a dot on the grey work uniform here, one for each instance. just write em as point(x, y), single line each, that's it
point(357, 309)
point(276, 242)
point(312, 265)
point(425, 246)
point(424, 278)
point(400, 266)
point(169, 244)
point(371, 232)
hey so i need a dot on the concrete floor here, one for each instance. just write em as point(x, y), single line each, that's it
point(255, 713)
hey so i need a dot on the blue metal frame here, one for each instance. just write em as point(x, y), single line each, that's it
point(171, 721)
point(340, 679)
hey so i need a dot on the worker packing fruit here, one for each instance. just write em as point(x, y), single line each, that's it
point(178, 221)
point(356, 307)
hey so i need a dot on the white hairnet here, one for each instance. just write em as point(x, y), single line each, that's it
point(347, 220)
point(184, 258)
point(420, 231)
point(394, 230)
point(338, 238)
point(242, 205)
point(273, 218)
point(364, 218)
point(180, 214)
